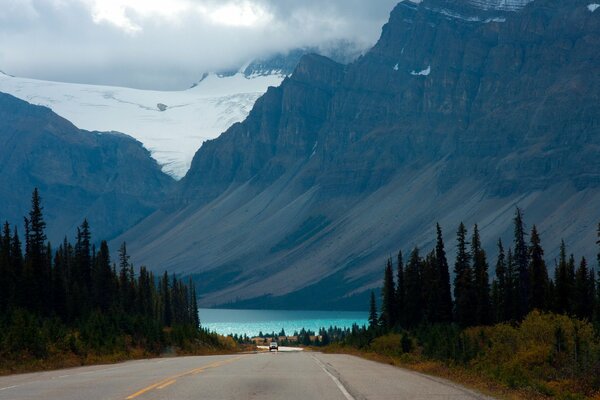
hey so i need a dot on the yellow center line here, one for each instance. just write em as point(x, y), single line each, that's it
point(164, 385)
point(172, 379)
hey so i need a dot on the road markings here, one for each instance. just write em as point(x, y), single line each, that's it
point(166, 384)
point(9, 387)
point(172, 379)
point(335, 380)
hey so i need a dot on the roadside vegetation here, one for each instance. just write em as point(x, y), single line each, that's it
point(71, 305)
point(524, 336)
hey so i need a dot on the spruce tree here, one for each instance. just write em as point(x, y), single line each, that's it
point(512, 288)
point(373, 318)
point(499, 286)
point(481, 281)
point(583, 305)
point(445, 293)
point(430, 288)
point(521, 259)
point(563, 283)
point(400, 291)
point(413, 305)
point(388, 294)
point(538, 273)
point(165, 291)
point(7, 281)
point(463, 281)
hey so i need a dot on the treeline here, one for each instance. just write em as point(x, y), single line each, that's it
point(419, 291)
point(74, 299)
point(522, 329)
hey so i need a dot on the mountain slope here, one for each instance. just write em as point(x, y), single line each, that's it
point(171, 125)
point(459, 113)
point(108, 178)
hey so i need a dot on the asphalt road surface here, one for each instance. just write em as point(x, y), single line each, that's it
point(281, 375)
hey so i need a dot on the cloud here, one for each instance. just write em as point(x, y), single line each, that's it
point(168, 44)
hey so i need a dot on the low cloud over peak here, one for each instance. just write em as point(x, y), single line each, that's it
point(168, 44)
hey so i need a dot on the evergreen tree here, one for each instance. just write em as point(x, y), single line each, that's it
point(481, 281)
point(373, 318)
point(563, 283)
point(499, 286)
point(413, 305)
point(521, 259)
point(430, 288)
point(463, 281)
point(584, 292)
point(400, 291)
point(7, 279)
point(388, 294)
point(444, 305)
point(165, 291)
point(538, 273)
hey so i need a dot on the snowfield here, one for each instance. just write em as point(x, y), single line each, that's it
point(172, 125)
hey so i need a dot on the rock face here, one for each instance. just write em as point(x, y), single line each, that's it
point(459, 113)
point(108, 178)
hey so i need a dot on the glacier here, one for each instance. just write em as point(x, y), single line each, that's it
point(172, 125)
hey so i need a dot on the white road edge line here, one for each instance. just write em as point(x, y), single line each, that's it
point(335, 380)
point(9, 387)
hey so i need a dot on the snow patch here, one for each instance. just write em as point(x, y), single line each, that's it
point(425, 72)
point(171, 125)
point(593, 7)
point(396, 67)
point(500, 5)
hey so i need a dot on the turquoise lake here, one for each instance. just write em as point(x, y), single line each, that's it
point(251, 322)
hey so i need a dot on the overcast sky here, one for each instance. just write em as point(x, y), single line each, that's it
point(167, 44)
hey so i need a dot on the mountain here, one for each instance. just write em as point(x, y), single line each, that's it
point(108, 178)
point(172, 125)
point(462, 111)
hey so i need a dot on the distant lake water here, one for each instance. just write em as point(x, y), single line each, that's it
point(251, 322)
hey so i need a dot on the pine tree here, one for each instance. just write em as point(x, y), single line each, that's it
point(430, 288)
point(583, 293)
point(388, 294)
point(37, 269)
point(414, 290)
point(499, 286)
point(463, 281)
point(563, 283)
point(512, 288)
point(373, 318)
point(538, 273)
point(445, 293)
point(521, 259)
point(400, 291)
point(165, 291)
point(481, 281)
point(7, 279)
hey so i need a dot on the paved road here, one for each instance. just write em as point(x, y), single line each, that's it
point(270, 376)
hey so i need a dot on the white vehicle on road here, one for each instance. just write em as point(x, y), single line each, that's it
point(273, 346)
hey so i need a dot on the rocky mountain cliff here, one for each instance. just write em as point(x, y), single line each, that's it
point(459, 113)
point(107, 177)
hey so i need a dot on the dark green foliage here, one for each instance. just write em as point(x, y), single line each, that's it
point(463, 281)
point(413, 306)
point(388, 298)
point(71, 300)
point(400, 291)
point(444, 299)
point(539, 274)
point(499, 287)
point(521, 260)
point(373, 319)
point(481, 282)
point(583, 296)
point(564, 283)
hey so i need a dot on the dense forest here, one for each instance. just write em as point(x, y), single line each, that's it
point(523, 328)
point(74, 302)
